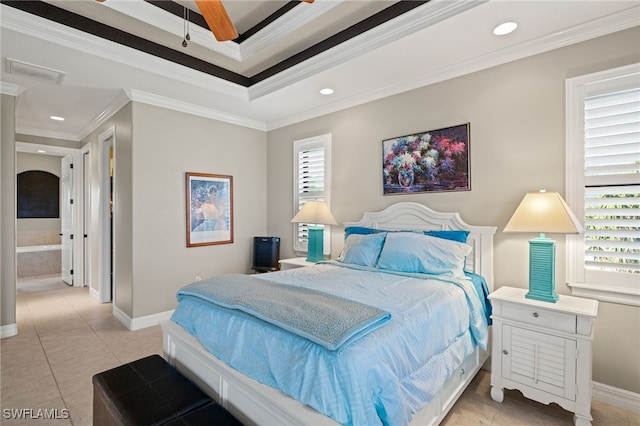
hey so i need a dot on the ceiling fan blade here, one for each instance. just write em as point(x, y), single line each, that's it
point(307, 1)
point(217, 19)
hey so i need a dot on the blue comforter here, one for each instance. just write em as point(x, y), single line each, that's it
point(382, 378)
point(331, 321)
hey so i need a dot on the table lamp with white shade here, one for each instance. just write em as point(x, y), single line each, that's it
point(544, 212)
point(315, 213)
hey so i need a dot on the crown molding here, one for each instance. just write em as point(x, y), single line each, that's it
point(114, 106)
point(189, 108)
point(613, 23)
point(394, 29)
point(10, 89)
point(284, 26)
point(407, 23)
point(36, 131)
point(29, 147)
point(44, 29)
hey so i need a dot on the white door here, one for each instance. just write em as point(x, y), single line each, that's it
point(66, 219)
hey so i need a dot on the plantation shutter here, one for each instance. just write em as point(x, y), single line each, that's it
point(311, 170)
point(612, 182)
point(310, 182)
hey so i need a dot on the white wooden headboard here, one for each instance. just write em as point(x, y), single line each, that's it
point(415, 216)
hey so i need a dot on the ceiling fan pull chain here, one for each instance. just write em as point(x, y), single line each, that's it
point(188, 36)
point(184, 28)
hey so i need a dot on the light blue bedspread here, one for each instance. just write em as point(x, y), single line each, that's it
point(328, 320)
point(383, 378)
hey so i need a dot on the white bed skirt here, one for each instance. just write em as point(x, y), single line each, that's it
point(254, 403)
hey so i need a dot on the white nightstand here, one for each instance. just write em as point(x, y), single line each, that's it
point(294, 262)
point(543, 349)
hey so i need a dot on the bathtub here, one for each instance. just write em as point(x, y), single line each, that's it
point(33, 249)
point(33, 261)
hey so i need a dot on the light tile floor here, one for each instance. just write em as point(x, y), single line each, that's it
point(65, 337)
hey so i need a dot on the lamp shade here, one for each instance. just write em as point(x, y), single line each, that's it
point(315, 212)
point(544, 212)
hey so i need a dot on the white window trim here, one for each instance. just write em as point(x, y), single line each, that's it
point(577, 89)
point(325, 141)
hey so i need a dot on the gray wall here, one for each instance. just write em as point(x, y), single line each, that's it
point(154, 148)
point(517, 116)
point(121, 122)
point(7, 211)
point(165, 146)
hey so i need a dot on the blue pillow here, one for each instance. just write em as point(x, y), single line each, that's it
point(460, 236)
point(419, 253)
point(360, 230)
point(454, 235)
point(363, 250)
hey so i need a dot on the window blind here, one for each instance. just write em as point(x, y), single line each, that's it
point(311, 186)
point(311, 181)
point(612, 182)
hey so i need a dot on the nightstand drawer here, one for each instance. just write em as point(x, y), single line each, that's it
point(540, 317)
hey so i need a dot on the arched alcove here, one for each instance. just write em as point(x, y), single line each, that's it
point(38, 195)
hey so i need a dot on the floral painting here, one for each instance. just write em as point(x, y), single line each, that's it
point(209, 209)
point(436, 160)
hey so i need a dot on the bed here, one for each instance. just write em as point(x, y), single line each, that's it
point(360, 381)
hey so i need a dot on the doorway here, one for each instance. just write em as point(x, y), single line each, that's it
point(106, 263)
point(70, 225)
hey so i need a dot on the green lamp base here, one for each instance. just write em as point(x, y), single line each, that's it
point(315, 244)
point(542, 270)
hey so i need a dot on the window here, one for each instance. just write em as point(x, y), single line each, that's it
point(603, 184)
point(312, 181)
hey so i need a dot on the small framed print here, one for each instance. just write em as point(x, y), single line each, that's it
point(209, 209)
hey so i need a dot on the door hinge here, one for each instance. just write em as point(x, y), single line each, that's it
point(71, 237)
point(71, 201)
point(71, 166)
point(86, 235)
point(71, 272)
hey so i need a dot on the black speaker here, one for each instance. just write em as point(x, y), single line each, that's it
point(266, 254)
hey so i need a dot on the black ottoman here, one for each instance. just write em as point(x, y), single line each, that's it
point(211, 414)
point(148, 391)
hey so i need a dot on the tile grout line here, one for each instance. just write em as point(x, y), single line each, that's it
point(35, 326)
point(93, 330)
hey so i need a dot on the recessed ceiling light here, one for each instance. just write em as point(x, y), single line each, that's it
point(327, 91)
point(41, 151)
point(55, 117)
point(505, 28)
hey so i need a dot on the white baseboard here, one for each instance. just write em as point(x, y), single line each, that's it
point(8, 330)
point(94, 294)
point(141, 322)
point(617, 397)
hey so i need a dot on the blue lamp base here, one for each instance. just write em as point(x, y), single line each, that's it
point(315, 246)
point(542, 270)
